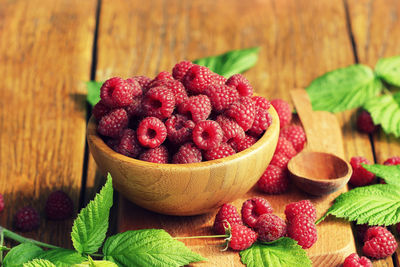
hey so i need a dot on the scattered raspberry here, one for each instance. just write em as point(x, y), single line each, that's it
point(113, 124)
point(197, 108)
point(279, 160)
point(243, 111)
point(274, 180)
point(360, 175)
point(116, 92)
point(270, 227)
point(353, 260)
point(221, 151)
point(59, 206)
point(1, 203)
point(207, 134)
point(163, 75)
point(284, 112)
point(392, 161)
point(294, 134)
point(240, 145)
point(176, 87)
point(129, 144)
point(303, 207)
point(226, 214)
point(261, 102)
point(27, 219)
point(187, 153)
point(180, 69)
point(197, 79)
point(262, 121)
point(156, 155)
point(241, 84)
point(379, 243)
point(100, 110)
point(302, 229)
point(221, 96)
point(230, 128)
point(143, 81)
point(253, 208)
point(365, 123)
point(241, 237)
point(179, 129)
point(158, 102)
point(285, 147)
point(151, 132)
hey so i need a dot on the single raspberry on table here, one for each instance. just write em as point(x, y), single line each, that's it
point(392, 161)
point(242, 144)
point(253, 208)
point(117, 93)
point(1, 203)
point(262, 121)
point(221, 151)
point(296, 135)
point(379, 243)
point(197, 108)
point(270, 227)
point(155, 155)
point(365, 123)
point(27, 219)
point(143, 81)
point(221, 96)
point(302, 207)
point(241, 84)
point(113, 123)
point(207, 134)
point(353, 260)
point(198, 78)
point(261, 102)
point(279, 160)
point(360, 176)
point(274, 180)
point(187, 153)
point(241, 237)
point(99, 110)
point(179, 129)
point(176, 87)
point(285, 147)
point(158, 102)
point(284, 112)
point(180, 69)
point(243, 111)
point(227, 216)
point(302, 229)
point(59, 206)
point(129, 144)
point(230, 128)
point(151, 132)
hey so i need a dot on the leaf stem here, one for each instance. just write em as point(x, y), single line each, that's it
point(1, 244)
point(201, 236)
point(16, 237)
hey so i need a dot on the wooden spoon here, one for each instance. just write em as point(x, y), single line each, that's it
point(319, 168)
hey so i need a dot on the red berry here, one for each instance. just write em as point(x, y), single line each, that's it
point(242, 144)
point(187, 153)
point(129, 144)
point(180, 69)
point(302, 229)
point(100, 110)
point(116, 92)
point(1, 203)
point(207, 134)
point(253, 208)
point(242, 237)
point(360, 176)
point(135, 109)
point(197, 79)
point(143, 82)
point(262, 121)
point(243, 111)
point(353, 260)
point(274, 180)
point(270, 227)
point(392, 161)
point(163, 75)
point(230, 128)
point(261, 102)
point(221, 96)
point(226, 214)
point(296, 135)
point(176, 87)
point(59, 206)
point(158, 102)
point(151, 132)
point(285, 147)
point(219, 79)
point(284, 112)
point(221, 151)
point(280, 160)
point(196, 108)
point(379, 243)
point(27, 219)
point(156, 155)
point(365, 123)
point(179, 129)
point(113, 124)
point(241, 84)
point(303, 207)
point(113, 143)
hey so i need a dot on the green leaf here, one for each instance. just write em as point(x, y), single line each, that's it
point(283, 252)
point(93, 92)
point(92, 263)
point(232, 62)
point(385, 110)
point(21, 254)
point(377, 204)
point(62, 257)
point(4, 248)
point(89, 229)
point(388, 69)
point(149, 247)
point(39, 263)
point(344, 88)
point(391, 174)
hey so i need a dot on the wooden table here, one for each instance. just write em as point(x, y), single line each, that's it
point(48, 49)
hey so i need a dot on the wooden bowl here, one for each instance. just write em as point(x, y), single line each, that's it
point(185, 189)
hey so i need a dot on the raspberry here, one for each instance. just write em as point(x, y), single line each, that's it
point(158, 102)
point(187, 153)
point(221, 151)
point(241, 237)
point(197, 79)
point(180, 69)
point(135, 108)
point(59, 206)
point(284, 112)
point(270, 227)
point(219, 79)
point(143, 81)
point(99, 110)
point(280, 160)
point(1, 203)
point(240, 145)
point(285, 147)
point(230, 128)
point(274, 180)
point(294, 134)
point(113, 143)
point(360, 175)
point(303, 207)
point(241, 84)
point(253, 208)
point(365, 123)
point(226, 214)
point(379, 243)
point(353, 260)
point(392, 161)
point(261, 102)
point(151, 132)
point(197, 108)
point(176, 87)
point(207, 134)
point(116, 92)
point(221, 96)
point(156, 155)
point(302, 229)
point(27, 219)
point(179, 129)
point(129, 144)
point(262, 121)
point(243, 111)
point(113, 124)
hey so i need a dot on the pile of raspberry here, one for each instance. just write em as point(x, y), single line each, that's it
point(187, 116)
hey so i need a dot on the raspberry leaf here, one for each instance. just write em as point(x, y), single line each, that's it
point(282, 252)
point(388, 69)
point(377, 204)
point(344, 88)
point(62, 257)
point(21, 254)
point(92, 263)
point(391, 174)
point(39, 263)
point(90, 227)
point(232, 62)
point(93, 92)
point(149, 247)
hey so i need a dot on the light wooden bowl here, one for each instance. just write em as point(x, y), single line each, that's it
point(185, 189)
